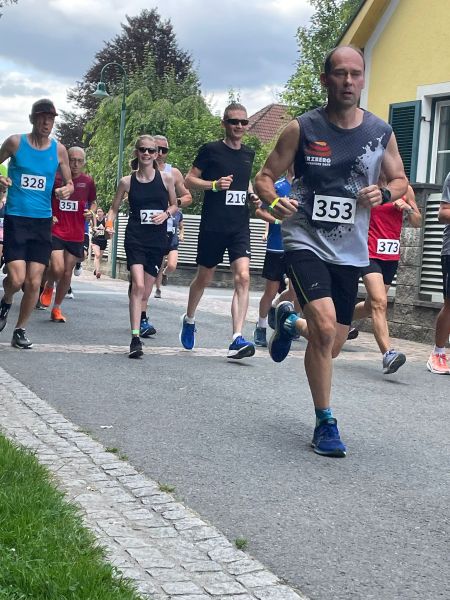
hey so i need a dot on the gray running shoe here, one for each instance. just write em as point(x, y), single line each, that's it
point(157, 293)
point(259, 337)
point(392, 361)
point(4, 310)
point(20, 340)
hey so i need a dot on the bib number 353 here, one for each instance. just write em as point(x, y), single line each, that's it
point(334, 209)
point(235, 198)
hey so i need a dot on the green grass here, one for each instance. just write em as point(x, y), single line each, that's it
point(45, 551)
point(166, 487)
point(241, 543)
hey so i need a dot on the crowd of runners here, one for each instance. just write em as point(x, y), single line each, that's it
point(333, 193)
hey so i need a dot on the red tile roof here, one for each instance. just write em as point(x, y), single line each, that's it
point(267, 123)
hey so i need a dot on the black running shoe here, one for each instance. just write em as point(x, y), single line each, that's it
point(353, 333)
point(4, 310)
point(20, 340)
point(135, 348)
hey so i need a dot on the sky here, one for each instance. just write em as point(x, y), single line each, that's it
point(48, 45)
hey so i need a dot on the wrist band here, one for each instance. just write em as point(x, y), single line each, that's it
point(277, 221)
point(213, 186)
point(275, 202)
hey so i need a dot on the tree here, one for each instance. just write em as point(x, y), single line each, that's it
point(303, 91)
point(5, 3)
point(143, 38)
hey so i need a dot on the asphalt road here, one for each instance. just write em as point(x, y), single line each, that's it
point(233, 438)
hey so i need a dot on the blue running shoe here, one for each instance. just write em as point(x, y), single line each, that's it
point(326, 440)
point(146, 329)
point(281, 340)
point(240, 348)
point(271, 317)
point(259, 337)
point(392, 361)
point(187, 334)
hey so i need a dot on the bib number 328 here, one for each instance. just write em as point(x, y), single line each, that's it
point(334, 209)
point(235, 198)
point(33, 182)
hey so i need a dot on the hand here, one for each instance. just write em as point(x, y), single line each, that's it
point(54, 220)
point(264, 237)
point(181, 238)
point(63, 192)
point(224, 182)
point(284, 208)
point(369, 196)
point(5, 181)
point(88, 215)
point(403, 206)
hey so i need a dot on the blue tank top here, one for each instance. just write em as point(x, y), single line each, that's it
point(32, 173)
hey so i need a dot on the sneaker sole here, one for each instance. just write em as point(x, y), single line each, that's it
point(136, 354)
point(179, 335)
point(395, 365)
point(430, 368)
point(14, 345)
point(245, 352)
point(334, 454)
point(147, 334)
point(260, 345)
point(58, 320)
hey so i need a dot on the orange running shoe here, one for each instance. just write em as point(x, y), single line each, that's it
point(437, 363)
point(57, 316)
point(46, 297)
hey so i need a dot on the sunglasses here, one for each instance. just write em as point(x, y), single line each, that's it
point(149, 150)
point(163, 149)
point(242, 122)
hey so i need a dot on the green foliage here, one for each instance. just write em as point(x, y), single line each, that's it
point(303, 91)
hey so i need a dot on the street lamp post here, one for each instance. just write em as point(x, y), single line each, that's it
point(101, 92)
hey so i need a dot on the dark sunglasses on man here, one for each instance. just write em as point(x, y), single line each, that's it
point(163, 149)
point(243, 122)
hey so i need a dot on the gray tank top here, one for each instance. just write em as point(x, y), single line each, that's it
point(334, 164)
point(446, 198)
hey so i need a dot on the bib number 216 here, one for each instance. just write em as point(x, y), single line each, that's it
point(334, 209)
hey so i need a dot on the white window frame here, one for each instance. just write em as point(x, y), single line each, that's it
point(434, 148)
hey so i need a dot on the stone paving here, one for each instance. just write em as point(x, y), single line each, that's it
point(166, 548)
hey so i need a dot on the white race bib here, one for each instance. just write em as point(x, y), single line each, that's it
point(334, 209)
point(68, 205)
point(33, 182)
point(388, 246)
point(170, 227)
point(235, 198)
point(147, 214)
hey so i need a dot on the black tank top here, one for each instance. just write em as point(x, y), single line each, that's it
point(144, 199)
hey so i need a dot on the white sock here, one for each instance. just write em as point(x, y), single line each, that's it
point(235, 335)
point(262, 322)
point(190, 320)
point(438, 350)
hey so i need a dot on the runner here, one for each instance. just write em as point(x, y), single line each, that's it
point(176, 235)
point(99, 240)
point(437, 362)
point(4, 172)
point(384, 253)
point(184, 199)
point(222, 170)
point(337, 151)
point(152, 200)
point(34, 160)
point(68, 229)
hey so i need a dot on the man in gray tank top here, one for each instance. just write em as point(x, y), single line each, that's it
point(437, 362)
point(337, 151)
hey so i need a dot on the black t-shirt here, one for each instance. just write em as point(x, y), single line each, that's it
point(225, 211)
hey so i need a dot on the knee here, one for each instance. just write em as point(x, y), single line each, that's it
point(138, 289)
point(323, 334)
point(378, 304)
point(242, 280)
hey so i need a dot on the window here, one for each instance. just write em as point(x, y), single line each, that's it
point(440, 153)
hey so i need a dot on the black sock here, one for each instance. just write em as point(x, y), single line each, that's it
point(143, 315)
point(78, 266)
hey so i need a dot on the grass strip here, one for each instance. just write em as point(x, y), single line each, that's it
point(45, 551)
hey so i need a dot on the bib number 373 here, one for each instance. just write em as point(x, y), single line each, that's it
point(334, 209)
point(235, 198)
point(33, 182)
point(388, 246)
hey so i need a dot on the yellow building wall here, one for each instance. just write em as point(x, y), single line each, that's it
point(413, 50)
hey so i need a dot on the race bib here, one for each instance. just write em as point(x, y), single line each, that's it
point(170, 227)
point(388, 246)
point(147, 214)
point(68, 205)
point(100, 231)
point(235, 198)
point(334, 209)
point(33, 182)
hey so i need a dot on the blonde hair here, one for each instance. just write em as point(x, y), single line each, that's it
point(144, 137)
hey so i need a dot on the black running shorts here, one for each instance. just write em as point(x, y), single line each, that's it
point(150, 258)
point(212, 245)
point(314, 278)
point(86, 243)
point(100, 242)
point(387, 268)
point(274, 267)
point(445, 263)
point(74, 248)
point(28, 239)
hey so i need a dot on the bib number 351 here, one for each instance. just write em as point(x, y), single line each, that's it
point(334, 209)
point(235, 198)
point(33, 182)
point(68, 205)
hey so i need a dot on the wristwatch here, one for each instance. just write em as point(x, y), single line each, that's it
point(178, 201)
point(385, 195)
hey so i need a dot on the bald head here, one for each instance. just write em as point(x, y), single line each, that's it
point(336, 53)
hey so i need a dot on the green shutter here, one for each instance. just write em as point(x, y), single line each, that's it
point(405, 120)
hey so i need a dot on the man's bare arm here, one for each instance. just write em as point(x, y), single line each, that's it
point(184, 197)
point(194, 181)
point(444, 213)
point(393, 169)
point(66, 190)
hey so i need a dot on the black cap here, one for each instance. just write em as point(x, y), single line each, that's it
point(44, 106)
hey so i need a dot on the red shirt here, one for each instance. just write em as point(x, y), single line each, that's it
point(384, 232)
point(70, 225)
